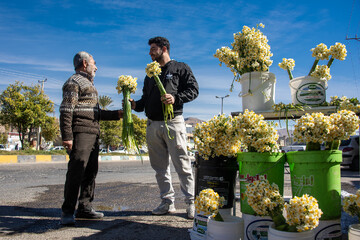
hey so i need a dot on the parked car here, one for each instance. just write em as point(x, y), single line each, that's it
point(350, 152)
point(4, 148)
point(56, 148)
point(294, 147)
point(104, 150)
point(119, 150)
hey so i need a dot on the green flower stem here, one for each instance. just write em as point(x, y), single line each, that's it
point(218, 217)
point(311, 146)
point(128, 125)
point(278, 219)
point(333, 145)
point(168, 110)
point(313, 66)
point(290, 74)
point(330, 62)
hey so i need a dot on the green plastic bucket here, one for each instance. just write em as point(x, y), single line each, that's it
point(317, 173)
point(252, 165)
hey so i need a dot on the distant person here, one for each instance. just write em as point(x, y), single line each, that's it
point(80, 129)
point(181, 87)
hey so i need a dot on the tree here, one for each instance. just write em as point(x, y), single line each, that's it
point(139, 130)
point(104, 102)
point(51, 130)
point(110, 132)
point(24, 107)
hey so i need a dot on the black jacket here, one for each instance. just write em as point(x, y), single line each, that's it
point(178, 80)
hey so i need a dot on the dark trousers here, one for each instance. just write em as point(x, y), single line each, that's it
point(82, 169)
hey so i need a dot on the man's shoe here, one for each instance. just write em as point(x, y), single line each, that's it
point(190, 210)
point(89, 214)
point(164, 208)
point(67, 219)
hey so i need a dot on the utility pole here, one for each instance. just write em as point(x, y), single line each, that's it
point(222, 102)
point(42, 82)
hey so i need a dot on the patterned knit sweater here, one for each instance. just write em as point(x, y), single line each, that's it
point(79, 110)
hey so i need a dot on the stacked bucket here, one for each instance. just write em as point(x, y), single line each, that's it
point(316, 173)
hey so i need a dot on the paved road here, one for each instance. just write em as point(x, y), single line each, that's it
point(31, 196)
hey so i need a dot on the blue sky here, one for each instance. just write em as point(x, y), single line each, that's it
point(38, 40)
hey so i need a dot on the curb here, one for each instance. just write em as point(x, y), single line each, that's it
point(61, 158)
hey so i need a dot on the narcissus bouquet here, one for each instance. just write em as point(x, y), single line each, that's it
point(316, 128)
point(208, 203)
point(126, 85)
point(153, 70)
point(301, 213)
point(255, 133)
point(250, 52)
point(217, 137)
point(344, 103)
point(351, 204)
point(320, 52)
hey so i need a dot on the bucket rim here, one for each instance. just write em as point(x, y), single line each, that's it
point(260, 157)
point(322, 156)
point(307, 77)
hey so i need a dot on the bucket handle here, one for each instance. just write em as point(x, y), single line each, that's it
point(250, 92)
point(296, 89)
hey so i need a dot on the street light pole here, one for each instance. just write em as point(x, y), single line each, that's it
point(222, 102)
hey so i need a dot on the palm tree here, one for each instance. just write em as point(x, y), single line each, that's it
point(104, 102)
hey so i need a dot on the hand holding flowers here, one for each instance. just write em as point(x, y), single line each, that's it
point(208, 202)
point(153, 70)
point(302, 213)
point(127, 85)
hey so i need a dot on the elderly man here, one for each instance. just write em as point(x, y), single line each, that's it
point(80, 129)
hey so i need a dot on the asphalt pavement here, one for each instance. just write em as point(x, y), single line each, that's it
point(127, 207)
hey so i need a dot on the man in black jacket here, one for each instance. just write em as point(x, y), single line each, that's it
point(181, 87)
point(79, 123)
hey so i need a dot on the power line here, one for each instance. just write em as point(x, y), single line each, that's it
point(27, 76)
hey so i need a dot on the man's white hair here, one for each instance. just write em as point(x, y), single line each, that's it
point(79, 57)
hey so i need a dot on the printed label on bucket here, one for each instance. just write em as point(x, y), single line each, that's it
point(301, 182)
point(258, 229)
point(200, 223)
point(311, 94)
point(332, 231)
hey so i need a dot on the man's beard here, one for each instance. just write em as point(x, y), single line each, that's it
point(90, 71)
point(160, 57)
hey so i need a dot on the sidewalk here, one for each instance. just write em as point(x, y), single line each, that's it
point(61, 158)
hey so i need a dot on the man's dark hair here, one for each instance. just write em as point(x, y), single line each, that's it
point(160, 42)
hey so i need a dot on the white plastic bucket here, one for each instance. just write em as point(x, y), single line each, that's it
point(328, 229)
point(256, 227)
point(231, 229)
point(274, 234)
point(196, 236)
point(257, 91)
point(354, 232)
point(307, 90)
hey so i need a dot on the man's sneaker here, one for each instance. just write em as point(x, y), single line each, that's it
point(89, 214)
point(164, 208)
point(67, 219)
point(190, 210)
